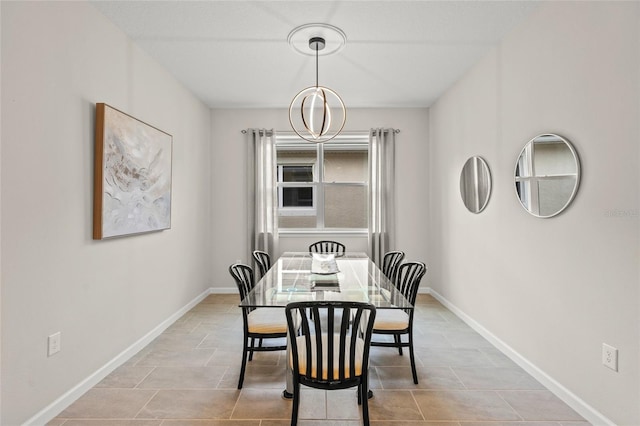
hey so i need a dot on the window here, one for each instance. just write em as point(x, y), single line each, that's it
point(322, 186)
point(291, 195)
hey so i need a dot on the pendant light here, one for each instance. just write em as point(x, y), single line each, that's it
point(317, 113)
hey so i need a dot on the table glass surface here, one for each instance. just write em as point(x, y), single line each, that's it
point(359, 280)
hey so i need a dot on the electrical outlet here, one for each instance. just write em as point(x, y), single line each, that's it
point(54, 344)
point(610, 357)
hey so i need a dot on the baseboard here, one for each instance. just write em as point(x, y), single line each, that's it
point(581, 407)
point(60, 404)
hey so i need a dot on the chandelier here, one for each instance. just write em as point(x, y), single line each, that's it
point(317, 113)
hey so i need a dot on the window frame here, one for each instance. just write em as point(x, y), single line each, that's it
point(345, 141)
point(281, 185)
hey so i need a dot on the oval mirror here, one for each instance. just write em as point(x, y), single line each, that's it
point(547, 175)
point(475, 184)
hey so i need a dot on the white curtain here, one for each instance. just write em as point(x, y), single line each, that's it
point(381, 193)
point(262, 196)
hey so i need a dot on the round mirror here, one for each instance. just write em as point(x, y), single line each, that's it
point(475, 184)
point(547, 175)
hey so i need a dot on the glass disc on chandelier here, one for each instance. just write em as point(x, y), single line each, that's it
point(317, 113)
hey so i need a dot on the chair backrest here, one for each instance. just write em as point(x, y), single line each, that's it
point(337, 338)
point(390, 263)
point(327, 247)
point(243, 276)
point(263, 260)
point(408, 279)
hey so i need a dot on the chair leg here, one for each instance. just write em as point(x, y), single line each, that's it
point(398, 340)
point(360, 394)
point(295, 403)
point(364, 386)
point(412, 358)
point(253, 342)
point(244, 364)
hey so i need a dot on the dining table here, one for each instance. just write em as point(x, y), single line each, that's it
point(353, 277)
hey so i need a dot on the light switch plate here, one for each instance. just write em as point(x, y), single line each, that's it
point(610, 357)
point(53, 344)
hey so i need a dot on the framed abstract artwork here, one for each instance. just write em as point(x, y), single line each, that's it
point(132, 175)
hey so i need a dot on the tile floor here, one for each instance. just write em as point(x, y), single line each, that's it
point(188, 377)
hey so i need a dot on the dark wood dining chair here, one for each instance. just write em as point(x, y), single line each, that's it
point(258, 324)
point(326, 247)
point(331, 348)
point(399, 322)
point(390, 263)
point(263, 260)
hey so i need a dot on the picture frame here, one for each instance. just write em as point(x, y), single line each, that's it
point(132, 175)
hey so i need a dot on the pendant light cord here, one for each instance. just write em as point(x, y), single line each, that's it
point(317, 64)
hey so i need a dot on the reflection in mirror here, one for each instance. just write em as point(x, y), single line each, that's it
point(475, 184)
point(547, 175)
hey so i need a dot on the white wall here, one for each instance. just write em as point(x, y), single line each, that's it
point(230, 170)
point(58, 60)
point(552, 289)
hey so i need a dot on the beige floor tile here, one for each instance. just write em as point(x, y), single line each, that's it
point(177, 341)
point(111, 422)
point(467, 339)
point(497, 358)
point(313, 404)
point(281, 422)
point(393, 405)
point(428, 378)
point(183, 378)
point(226, 356)
point(225, 319)
point(389, 357)
point(453, 357)
point(217, 333)
point(269, 358)
point(183, 327)
point(194, 422)
point(259, 376)
point(230, 378)
point(262, 404)
point(190, 404)
point(539, 405)
point(427, 340)
point(511, 424)
point(504, 378)
point(175, 358)
point(125, 376)
point(416, 423)
point(138, 356)
point(105, 403)
point(464, 405)
point(221, 298)
point(188, 377)
point(343, 405)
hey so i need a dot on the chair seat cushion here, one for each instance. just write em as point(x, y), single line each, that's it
point(302, 357)
point(267, 320)
point(391, 319)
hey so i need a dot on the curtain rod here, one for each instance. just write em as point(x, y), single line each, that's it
point(396, 131)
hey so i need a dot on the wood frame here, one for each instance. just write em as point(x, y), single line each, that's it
point(132, 175)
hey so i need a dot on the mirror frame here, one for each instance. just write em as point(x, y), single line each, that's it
point(578, 173)
point(484, 167)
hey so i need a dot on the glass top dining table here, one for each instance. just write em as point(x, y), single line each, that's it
point(359, 279)
point(290, 280)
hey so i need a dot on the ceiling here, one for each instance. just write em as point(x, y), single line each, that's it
point(235, 54)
